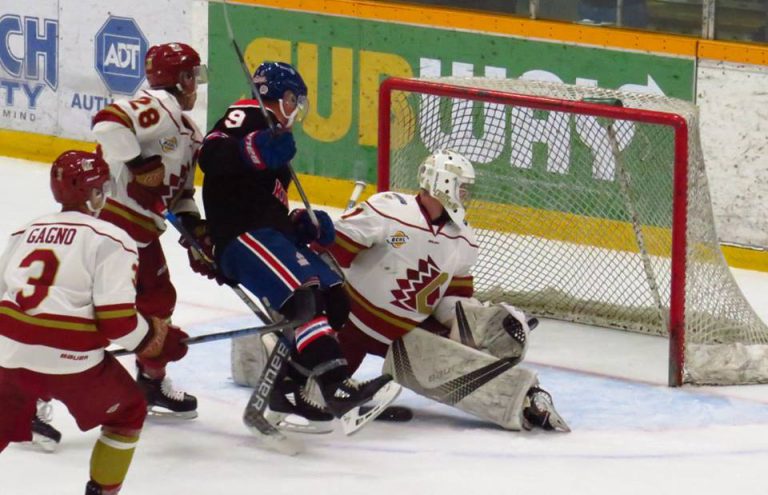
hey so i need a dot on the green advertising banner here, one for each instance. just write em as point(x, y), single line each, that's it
point(343, 60)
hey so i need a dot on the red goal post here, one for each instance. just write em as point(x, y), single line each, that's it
point(567, 181)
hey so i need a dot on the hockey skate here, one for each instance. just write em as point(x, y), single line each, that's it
point(343, 399)
point(539, 410)
point(44, 435)
point(292, 409)
point(164, 400)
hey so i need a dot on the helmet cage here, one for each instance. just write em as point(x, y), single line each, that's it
point(447, 176)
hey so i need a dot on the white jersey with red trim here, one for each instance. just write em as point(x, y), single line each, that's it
point(67, 289)
point(150, 124)
point(399, 265)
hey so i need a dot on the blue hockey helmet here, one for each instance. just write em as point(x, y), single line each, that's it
point(273, 79)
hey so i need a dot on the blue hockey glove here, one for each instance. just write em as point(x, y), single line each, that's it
point(265, 149)
point(306, 231)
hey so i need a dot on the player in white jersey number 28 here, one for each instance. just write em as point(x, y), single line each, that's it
point(151, 144)
point(66, 292)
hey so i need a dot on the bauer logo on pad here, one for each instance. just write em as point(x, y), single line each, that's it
point(120, 50)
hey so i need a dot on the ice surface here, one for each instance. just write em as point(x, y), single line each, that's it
point(632, 434)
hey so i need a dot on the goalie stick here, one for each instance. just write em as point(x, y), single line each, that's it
point(356, 192)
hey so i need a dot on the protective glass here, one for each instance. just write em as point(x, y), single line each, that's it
point(99, 196)
point(294, 108)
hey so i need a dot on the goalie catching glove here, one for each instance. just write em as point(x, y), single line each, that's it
point(162, 344)
point(500, 330)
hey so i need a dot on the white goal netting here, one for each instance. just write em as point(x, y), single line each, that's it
point(574, 207)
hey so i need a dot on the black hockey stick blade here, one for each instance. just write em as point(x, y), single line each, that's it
point(395, 414)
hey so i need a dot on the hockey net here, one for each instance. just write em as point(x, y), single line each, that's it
point(590, 205)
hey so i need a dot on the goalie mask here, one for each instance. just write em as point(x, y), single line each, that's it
point(78, 179)
point(447, 176)
point(273, 80)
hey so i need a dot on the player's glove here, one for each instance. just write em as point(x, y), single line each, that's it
point(146, 188)
point(162, 344)
point(200, 262)
point(267, 149)
point(306, 231)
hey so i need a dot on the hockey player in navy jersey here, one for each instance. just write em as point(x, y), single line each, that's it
point(261, 244)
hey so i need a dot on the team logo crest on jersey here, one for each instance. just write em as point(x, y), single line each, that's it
point(397, 239)
point(420, 289)
point(169, 145)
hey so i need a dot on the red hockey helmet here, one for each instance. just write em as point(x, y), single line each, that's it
point(165, 63)
point(75, 174)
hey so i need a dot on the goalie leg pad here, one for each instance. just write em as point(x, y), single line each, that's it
point(249, 357)
point(459, 376)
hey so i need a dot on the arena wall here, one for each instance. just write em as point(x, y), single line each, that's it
point(63, 60)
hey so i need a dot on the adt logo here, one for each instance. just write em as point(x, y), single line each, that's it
point(120, 51)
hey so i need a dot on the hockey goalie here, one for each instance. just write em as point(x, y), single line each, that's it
point(407, 262)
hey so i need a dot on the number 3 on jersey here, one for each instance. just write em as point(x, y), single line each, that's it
point(41, 283)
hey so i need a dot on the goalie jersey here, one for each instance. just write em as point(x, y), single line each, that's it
point(399, 265)
point(67, 288)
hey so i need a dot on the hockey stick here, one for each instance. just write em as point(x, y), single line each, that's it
point(253, 416)
point(174, 220)
point(264, 112)
point(229, 334)
point(356, 192)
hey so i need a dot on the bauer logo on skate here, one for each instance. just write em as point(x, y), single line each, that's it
point(120, 51)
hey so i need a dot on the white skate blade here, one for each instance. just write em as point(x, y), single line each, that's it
point(297, 424)
point(277, 442)
point(44, 443)
point(353, 420)
point(557, 423)
point(161, 412)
